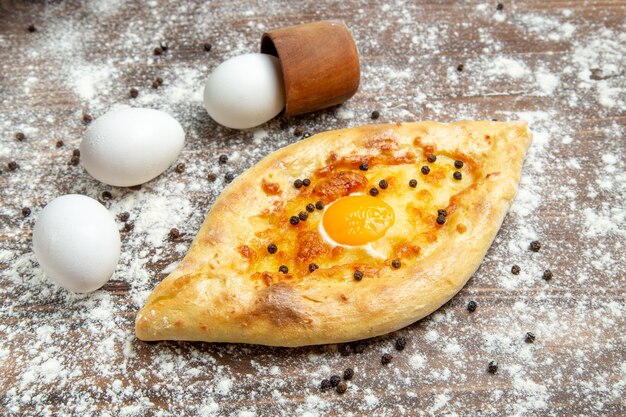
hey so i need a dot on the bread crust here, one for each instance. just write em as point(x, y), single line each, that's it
point(224, 291)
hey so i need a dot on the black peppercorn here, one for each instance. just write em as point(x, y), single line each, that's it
point(375, 115)
point(458, 164)
point(547, 275)
point(471, 306)
point(383, 184)
point(76, 152)
point(20, 137)
point(298, 131)
point(457, 175)
point(310, 208)
point(134, 93)
point(174, 233)
point(211, 176)
point(283, 269)
point(106, 195)
point(26, 211)
point(229, 177)
point(306, 182)
point(297, 183)
point(272, 248)
point(207, 47)
point(32, 28)
point(60, 143)
point(493, 367)
point(222, 159)
point(124, 216)
point(431, 158)
point(515, 270)
point(345, 350)
point(319, 205)
point(460, 67)
point(12, 166)
point(334, 380)
point(303, 215)
point(294, 220)
point(87, 118)
point(364, 166)
point(425, 170)
point(441, 219)
point(348, 374)
point(155, 85)
point(128, 227)
point(325, 385)
point(157, 51)
point(74, 160)
point(386, 359)
point(341, 387)
point(499, 6)
point(180, 168)
point(442, 212)
point(159, 81)
point(373, 192)
point(529, 338)
point(400, 343)
point(413, 183)
point(396, 263)
point(535, 245)
point(313, 267)
point(358, 275)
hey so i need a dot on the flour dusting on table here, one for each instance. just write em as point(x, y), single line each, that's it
point(63, 353)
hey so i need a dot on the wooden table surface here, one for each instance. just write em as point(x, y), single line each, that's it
point(558, 64)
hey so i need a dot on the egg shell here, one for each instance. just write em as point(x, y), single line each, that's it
point(77, 243)
point(245, 91)
point(129, 146)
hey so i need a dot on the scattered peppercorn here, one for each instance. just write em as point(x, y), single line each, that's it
point(400, 343)
point(222, 159)
point(87, 118)
point(396, 263)
point(157, 51)
point(535, 245)
point(386, 359)
point(348, 374)
point(134, 92)
point(460, 67)
point(155, 85)
point(313, 267)
point(306, 182)
point(26, 211)
point(310, 208)
point(12, 166)
point(364, 166)
point(493, 367)
point(342, 387)
point(180, 168)
point(358, 275)
point(207, 47)
point(457, 175)
point(458, 164)
point(431, 158)
point(425, 170)
point(283, 269)
point(441, 219)
point(74, 160)
point(211, 176)
point(413, 183)
point(303, 215)
point(294, 220)
point(164, 45)
point(383, 184)
point(298, 131)
point(515, 270)
point(547, 275)
point(375, 115)
point(174, 233)
point(20, 137)
point(442, 212)
point(106, 195)
point(159, 81)
point(530, 337)
point(345, 350)
point(32, 28)
point(124, 216)
point(500, 6)
point(471, 306)
point(319, 205)
point(76, 152)
point(60, 143)
point(297, 183)
point(373, 192)
point(325, 385)
point(334, 380)
point(272, 248)
point(229, 177)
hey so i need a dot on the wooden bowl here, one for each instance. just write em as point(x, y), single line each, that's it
point(320, 64)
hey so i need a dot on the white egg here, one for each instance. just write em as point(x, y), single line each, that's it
point(77, 243)
point(245, 91)
point(129, 146)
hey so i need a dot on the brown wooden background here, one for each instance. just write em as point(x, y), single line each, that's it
point(575, 367)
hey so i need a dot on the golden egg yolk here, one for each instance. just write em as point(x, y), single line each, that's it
point(357, 220)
